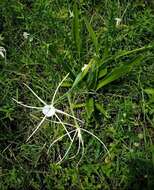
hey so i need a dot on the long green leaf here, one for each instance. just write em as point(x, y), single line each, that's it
point(82, 74)
point(80, 77)
point(126, 53)
point(118, 72)
point(92, 35)
point(93, 74)
point(76, 28)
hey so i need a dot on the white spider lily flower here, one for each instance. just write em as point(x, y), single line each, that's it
point(118, 21)
point(26, 35)
point(84, 67)
point(2, 52)
point(48, 110)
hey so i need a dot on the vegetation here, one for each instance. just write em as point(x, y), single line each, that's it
point(107, 47)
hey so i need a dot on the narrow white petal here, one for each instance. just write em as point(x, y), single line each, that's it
point(35, 94)
point(32, 107)
point(60, 122)
point(97, 139)
point(78, 150)
point(66, 153)
point(52, 102)
point(36, 128)
point(82, 143)
point(59, 111)
point(63, 126)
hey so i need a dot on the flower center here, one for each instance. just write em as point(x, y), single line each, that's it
point(48, 110)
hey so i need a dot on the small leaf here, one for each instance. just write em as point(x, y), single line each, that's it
point(76, 106)
point(100, 108)
point(89, 107)
point(118, 72)
point(102, 73)
point(66, 84)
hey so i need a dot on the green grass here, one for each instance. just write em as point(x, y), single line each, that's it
point(116, 105)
